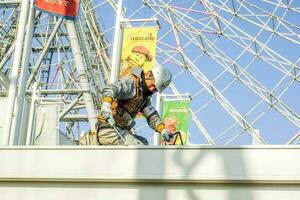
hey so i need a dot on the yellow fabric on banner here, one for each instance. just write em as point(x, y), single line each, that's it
point(138, 49)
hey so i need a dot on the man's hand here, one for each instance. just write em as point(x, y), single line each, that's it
point(106, 113)
point(166, 135)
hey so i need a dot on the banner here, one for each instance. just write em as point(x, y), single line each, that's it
point(175, 116)
point(67, 9)
point(138, 49)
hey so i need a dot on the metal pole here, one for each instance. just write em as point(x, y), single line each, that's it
point(156, 137)
point(18, 111)
point(15, 70)
point(115, 68)
point(66, 91)
point(4, 81)
point(7, 55)
point(30, 136)
point(9, 2)
point(201, 128)
point(43, 53)
point(255, 140)
point(82, 76)
point(74, 117)
point(293, 139)
point(69, 107)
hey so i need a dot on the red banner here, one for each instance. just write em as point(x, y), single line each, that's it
point(65, 8)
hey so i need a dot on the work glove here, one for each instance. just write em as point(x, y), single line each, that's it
point(106, 113)
point(167, 136)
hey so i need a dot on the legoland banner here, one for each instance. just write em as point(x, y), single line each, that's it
point(67, 9)
point(138, 49)
point(175, 116)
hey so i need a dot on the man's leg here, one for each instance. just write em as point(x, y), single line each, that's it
point(109, 136)
point(88, 138)
point(140, 139)
point(132, 139)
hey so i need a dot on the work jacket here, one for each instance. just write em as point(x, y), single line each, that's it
point(129, 98)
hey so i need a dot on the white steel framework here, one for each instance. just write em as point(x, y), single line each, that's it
point(238, 60)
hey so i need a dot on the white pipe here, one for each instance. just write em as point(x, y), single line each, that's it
point(115, 68)
point(29, 136)
point(7, 55)
point(293, 139)
point(44, 51)
point(15, 71)
point(9, 2)
point(18, 111)
point(69, 107)
point(4, 81)
point(82, 76)
point(156, 138)
point(175, 95)
point(255, 140)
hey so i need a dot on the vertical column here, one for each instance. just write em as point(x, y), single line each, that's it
point(115, 68)
point(14, 76)
point(82, 76)
point(30, 135)
point(16, 128)
point(39, 61)
point(156, 137)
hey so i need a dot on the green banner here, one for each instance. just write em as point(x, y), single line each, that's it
point(176, 116)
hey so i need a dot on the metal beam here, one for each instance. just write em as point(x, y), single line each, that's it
point(20, 117)
point(14, 76)
point(66, 91)
point(4, 81)
point(224, 102)
point(8, 2)
point(294, 139)
point(30, 134)
point(74, 117)
point(115, 68)
point(52, 48)
point(45, 49)
point(7, 55)
point(198, 123)
point(82, 76)
point(198, 75)
point(69, 107)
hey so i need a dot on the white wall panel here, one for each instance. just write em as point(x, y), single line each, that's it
point(3, 107)
point(46, 127)
point(198, 172)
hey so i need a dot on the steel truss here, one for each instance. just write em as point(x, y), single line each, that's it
point(220, 47)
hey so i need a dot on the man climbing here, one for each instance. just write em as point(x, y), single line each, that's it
point(124, 99)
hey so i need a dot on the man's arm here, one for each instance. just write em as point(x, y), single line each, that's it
point(155, 122)
point(122, 89)
point(153, 117)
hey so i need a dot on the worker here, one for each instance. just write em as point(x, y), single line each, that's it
point(124, 99)
point(137, 58)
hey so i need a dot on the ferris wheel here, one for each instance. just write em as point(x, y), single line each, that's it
point(237, 61)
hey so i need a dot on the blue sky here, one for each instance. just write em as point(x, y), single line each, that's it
point(274, 128)
point(249, 31)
